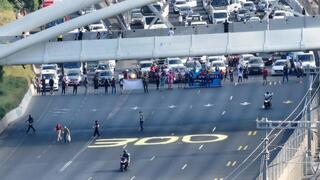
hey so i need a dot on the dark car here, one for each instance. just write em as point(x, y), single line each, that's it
point(255, 65)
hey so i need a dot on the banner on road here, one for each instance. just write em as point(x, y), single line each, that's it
point(132, 84)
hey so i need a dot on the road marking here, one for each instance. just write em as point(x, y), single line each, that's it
point(39, 156)
point(133, 178)
point(213, 129)
point(208, 105)
point(245, 148)
point(152, 158)
point(235, 84)
point(89, 178)
point(190, 106)
point(254, 133)
point(249, 133)
point(134, 108)
point(124, 146)
point(231, 163)
point(234, 163)
point(200, 147)
point(245, 103)
point(287, 102)
point(199, 91)
point(65, 166)
point(218, 179)
point(184, 166)
point(172, 106)
point(231, 97)
point(223, 113)
point(270, 83)
point(239, 148)
point(93, 110)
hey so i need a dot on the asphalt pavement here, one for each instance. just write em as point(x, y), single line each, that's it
point(189, 133)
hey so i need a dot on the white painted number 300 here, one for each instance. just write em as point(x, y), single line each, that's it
point(191, 139)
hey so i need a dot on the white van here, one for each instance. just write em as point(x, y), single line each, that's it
point(47, 75)
point(307, 59)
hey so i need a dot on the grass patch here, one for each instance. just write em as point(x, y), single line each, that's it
point(13, 87)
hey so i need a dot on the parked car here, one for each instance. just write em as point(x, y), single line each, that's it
point(97, 28)
point(255, 65)
point(254, 18)
point(193, 65)
point(277, 67)
point(220, 65)
point(145, 66)
point(185, 11)
point(174, 63)
point(249, 5)
point(177, 4)
point(73, 77)
point(219, 16)
point(244, 59)
point(50, 74)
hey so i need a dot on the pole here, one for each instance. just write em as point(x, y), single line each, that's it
point(309, 78)
point(266, 157)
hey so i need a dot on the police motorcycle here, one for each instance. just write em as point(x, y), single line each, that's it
point(124, 161)
point(267, 100)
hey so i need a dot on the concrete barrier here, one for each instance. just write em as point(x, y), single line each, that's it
point(18, 112)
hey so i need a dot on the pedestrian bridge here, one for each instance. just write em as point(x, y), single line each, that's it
point(297, 39)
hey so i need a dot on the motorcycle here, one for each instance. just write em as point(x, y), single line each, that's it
point(267, 103)
point(123, 164)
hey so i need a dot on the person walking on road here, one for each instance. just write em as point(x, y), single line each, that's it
point(265, 76)
point(66, 134)
point(285, 73)
point(63, 86)
point(121, 82)
point(96, 127)
point(75, 89)
point(113, 86)
point(106, 85)
point(85, 82)
point(96, 84)
point(30, 124)
point(59, 129)
point(43, 84)
point(51, 83)
point(141, 120)
point(240, 74)
point(145, 83)
point(231, 74)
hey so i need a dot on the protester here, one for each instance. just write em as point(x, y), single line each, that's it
point(75, 89)
point(43, 84)
point(240, 74)
point(85, 82)
point(30, 124)
point(141, 120)
point(231, 74)
point(96, 127)
point(113, 86)
point(145, 83)
point(121, 85)
point(265, 76)
point(96, 83)
point(285, 73)
point(66, 134)
point(63, 86)
point(51, 83)
point(106, 85)
point(59, 129)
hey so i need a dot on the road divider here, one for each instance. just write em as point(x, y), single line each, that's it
point(160, 140)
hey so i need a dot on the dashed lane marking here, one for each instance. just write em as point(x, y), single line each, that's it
point(217, 178)
point(65, 166)
point(234, 163)
point(124, 146)
point(270, 83)
point(275, 83)
point(231, 97)
point(249, 133)
point(90, 178)
point(152, 158)
point(231, 163)
point(245, 148)
point(201, 146)
point(184, 166)
point(254, 133)
point(228, 163)
point(213, 129)
point(198, 91)
point(224, 112)
point(133, 178)
point(239, 148)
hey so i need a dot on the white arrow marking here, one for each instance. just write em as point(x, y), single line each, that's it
point(245, 103)
point(208, 105)
point(89, 178)
point(275, 83)
point(184, 166)
point(134, 108)
point(231, 97)
point(287, 102)
point(172, 106)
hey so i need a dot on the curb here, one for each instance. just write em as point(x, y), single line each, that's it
point(18, 112)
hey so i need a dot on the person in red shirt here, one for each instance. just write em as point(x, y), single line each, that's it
point(265, 75)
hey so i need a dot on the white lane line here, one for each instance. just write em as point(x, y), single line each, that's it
point(89, 178)
point(200, 147)
point(213, 129)
point(152, 158)
point(124, 146)
point(133, 178)
point(223, 113)
point(184, 166)
point(231, 97)
point(65, 166)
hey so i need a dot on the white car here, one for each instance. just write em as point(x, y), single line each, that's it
point(174, 63)
point(73, 77)
point(137, 17)
point(145, 66)
point(48, 67)
point(97, 28)
point(219, 16)
point(198, 23)
point(178, 4)
point(215, 58)
point(249, 5)
point(244, 59)
point(192, 3)
point(221, 65)
point(277, 67)
point(47, 75)
point(254, 18)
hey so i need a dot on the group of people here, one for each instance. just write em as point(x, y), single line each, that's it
point(41, 86)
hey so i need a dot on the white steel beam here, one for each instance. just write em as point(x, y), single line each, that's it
point(63, 28)
point(169, 46)
point(44, 16)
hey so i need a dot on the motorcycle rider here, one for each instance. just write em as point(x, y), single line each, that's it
point(267, 98)
point(126, 156)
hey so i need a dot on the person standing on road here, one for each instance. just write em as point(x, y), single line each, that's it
point(231, 74)
point(51, 83)
point(113, 86)
point(85, 82)
point(95, 83)
point(106, 85)
point(157, 80)
point(43, 84)
point(265, 76)
point(141, 120)
point(145, 83)
point(96, 127)
point(285, 73)
point(59, 131)
point(121, 85)
point(63, 86)
point(240, 74)
point(66, 134)
point(30, 124)
point(75, 89)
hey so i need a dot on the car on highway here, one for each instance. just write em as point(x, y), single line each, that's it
point(279, 14)
point(193, 65)
point(277, 67)
point(137, 17)
point(255, 65)
point(185, 11)
point(244, 59)
point(50, 74)
point(73, 77)
point(216, 58)
point(48, 67)
point(145, 66)
point(103, 75)
point(177, 4)
point(254, 19)
point(192, 3)
point(158, 24)
point(91, 67)
point(242, 14)
point(72, 66)
point(306, 58)
point(99, 27)
point(249, 5)
point(198, 23)
point(102, 67)
point(220, 65)
point(219, 16)
point(174, 63)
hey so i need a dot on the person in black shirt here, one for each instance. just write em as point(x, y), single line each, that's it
point(43, 84)
point(51, 83)
point(63, 88)
point(96, 127)
point(30, 124)
point(113, 85)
